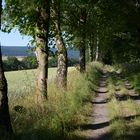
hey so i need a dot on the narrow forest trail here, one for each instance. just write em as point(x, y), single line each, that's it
point(99, 126)
point(100, 113)
point(98, 129)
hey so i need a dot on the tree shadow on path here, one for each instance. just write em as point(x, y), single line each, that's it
point(106, 136)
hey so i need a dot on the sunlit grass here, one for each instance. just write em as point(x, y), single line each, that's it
point(23, 81)
point(124, 119)
point(60, 114)
point(124, 115)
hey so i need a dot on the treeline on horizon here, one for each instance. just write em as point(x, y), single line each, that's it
point(12, 63)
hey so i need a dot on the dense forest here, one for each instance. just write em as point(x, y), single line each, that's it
point(107, 35)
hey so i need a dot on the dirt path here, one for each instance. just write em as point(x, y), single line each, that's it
point(99, 128)
point(100, 114)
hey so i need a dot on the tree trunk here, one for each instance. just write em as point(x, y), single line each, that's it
point(138, 31)
point(91, 44)
point(61, 77)
point(83, 18)
point(97, 48)
point(61, 63)
point(41, 38)
point(82, 56)
point(5, 122)
point(42, 74)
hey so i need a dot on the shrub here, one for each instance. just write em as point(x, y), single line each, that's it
point(30, 62)
point(73, 61)
point(12, 63)
point(52, 61)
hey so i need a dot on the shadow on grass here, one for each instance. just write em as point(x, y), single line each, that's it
point(101, 137)
point(133, 135)
point(41, 134)
point(137, 97)
point(105, 124)
point(94, 126)
point(100, 102)
point(46, 134)
point(126, 97)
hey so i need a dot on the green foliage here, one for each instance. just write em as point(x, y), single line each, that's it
point(93, 73)
point(115, 22)
point(131, 71)
point(30, 62)
point(25, 19)
point(135, 80)
point(52, 62)
point(12, 63)
point(73, 61)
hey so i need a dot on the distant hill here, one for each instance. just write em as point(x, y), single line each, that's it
point(16, 51)
point(25, 51)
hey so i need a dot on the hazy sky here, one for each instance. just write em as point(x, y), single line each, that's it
point(13, 39)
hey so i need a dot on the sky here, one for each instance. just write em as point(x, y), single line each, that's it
point(13, 39)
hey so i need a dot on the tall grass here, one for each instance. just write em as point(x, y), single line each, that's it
point(132, 72)
point(58, 117)
point(124, 120)
point(124, 115)
point(134, 78)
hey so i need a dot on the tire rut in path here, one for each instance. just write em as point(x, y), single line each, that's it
point(132, 93)
point(100, 124)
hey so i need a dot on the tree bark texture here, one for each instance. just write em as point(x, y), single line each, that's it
point(97, 48)
point(42, 52)
point(61, 63)
point(91, 46)
point(82, 56)
point(82, 49)
point(61, 77)
point(5, 122)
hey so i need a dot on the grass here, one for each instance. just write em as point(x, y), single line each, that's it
point(66, 110)
point(132, 72)
point(124, 115)
point(124, 120)
point(21, 82)
point(134, 78)
point(57, 117)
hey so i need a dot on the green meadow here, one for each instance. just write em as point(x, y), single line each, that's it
point(21, 82)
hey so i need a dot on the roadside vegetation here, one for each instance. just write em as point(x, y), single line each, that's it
point(30, 62)
point(124, 112)
point(64, 111)
point(132, 73)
